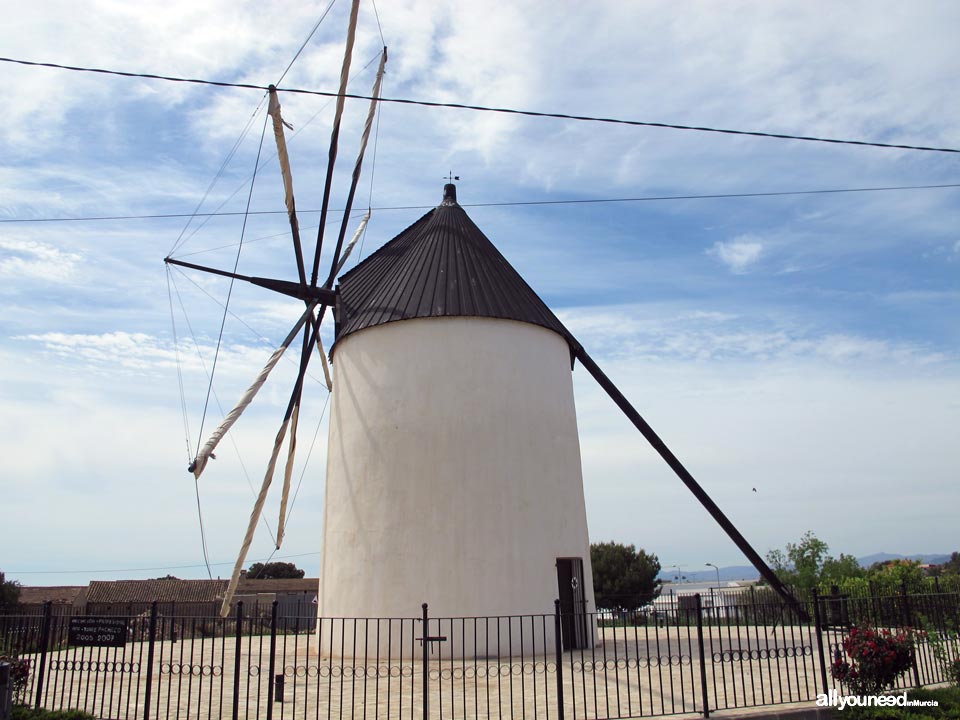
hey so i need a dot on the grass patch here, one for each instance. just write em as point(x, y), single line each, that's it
point(948, 707)
point(22, 712)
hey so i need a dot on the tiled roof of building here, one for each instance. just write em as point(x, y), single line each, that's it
point(57, 594)
point(441, 266)
point(167, 590)
point(249, 586)
point(190, 591)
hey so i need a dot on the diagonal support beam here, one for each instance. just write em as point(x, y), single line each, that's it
point(661, 447)
point(322, 296)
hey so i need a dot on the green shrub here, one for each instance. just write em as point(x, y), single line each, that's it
point(948, 706)
point(21, 712)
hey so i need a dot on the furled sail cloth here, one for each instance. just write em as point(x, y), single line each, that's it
point(254, 519)
point(273, 110)
point(353, 241)
point(200, 462)
point(278, 124)
point(287, 474)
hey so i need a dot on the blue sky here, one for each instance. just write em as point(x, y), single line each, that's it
point(802, 345)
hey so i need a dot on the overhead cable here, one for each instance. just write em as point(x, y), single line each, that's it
point(486, 108)
point(585, 201)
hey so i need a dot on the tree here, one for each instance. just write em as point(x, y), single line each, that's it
point(951, 566)
point(623, 577)
point(274, 571)
point(806, 564)
point(802, 562)
point(891, 575)
point(9, 593)
point(836, 570)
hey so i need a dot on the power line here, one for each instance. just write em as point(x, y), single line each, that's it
point(486, 108)
point(586, 201)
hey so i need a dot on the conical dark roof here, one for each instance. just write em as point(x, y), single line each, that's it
point(441, 266)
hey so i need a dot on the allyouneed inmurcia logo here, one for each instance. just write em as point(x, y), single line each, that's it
point(835, 699)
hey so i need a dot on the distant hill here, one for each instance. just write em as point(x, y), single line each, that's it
point(748, 572)
point(733, 572)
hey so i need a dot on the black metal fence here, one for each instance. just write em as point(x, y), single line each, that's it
point(691, 655)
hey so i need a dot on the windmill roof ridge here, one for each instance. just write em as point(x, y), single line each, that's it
point(440, 266)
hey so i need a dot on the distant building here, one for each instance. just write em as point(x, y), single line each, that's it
point(59, 595)
point(296, 598)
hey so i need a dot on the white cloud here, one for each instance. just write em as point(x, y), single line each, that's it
point(664, 333)
point(30, 259)
point(739, 254)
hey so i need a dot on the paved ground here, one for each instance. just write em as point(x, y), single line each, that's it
point(628, 673)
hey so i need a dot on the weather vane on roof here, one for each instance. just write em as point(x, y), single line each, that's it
point(451, 177)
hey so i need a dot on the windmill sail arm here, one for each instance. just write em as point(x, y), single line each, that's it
point(349, 249)
point(368, 125)
point(284, 287)
point(203, 456)
point(288, 474)
point(661, 447)
point(326, 366)
point(291, 414)
point(254, 519)
point(335, 135)
point(278, 124)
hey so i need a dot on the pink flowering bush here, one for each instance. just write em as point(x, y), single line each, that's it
point(874, 661)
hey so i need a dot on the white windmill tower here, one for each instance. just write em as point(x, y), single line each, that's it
point(453, 461)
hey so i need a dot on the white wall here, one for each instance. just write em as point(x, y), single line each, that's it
point(453, 472)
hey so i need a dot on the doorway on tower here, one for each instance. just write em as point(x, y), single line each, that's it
point(573, 606)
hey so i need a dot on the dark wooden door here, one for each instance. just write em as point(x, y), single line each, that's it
point(572, 606)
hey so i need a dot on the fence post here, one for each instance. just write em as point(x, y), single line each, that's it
point(44, 643)
point(152, 638)
point(236, 661)
point(6, 691)
point(908, 622)
point(273, 659)
point(818, 628)
point(703, 659)
point(424, 634)
point(558, 641)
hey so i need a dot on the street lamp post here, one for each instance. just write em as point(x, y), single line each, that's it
point(718, 573)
